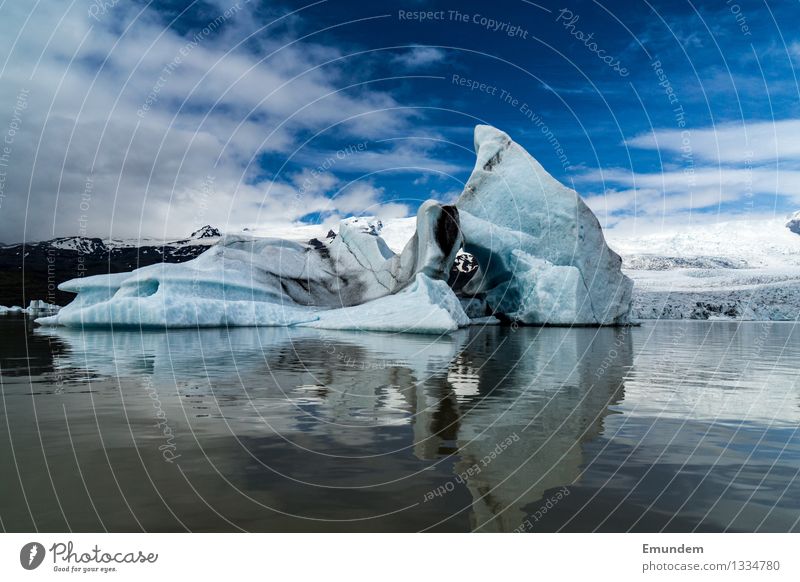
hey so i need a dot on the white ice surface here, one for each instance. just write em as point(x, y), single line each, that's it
point(427, 306)
point(513, 214)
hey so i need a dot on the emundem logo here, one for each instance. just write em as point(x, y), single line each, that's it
point(31, 555)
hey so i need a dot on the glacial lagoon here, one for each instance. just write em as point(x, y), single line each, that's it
point(669, 426)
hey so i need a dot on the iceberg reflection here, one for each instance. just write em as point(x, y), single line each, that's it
point(456, 398)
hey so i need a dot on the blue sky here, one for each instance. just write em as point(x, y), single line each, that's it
point(135, 118)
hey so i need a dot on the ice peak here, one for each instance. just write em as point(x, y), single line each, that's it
point(487, 133)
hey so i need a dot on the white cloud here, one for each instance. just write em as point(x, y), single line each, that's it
point(729, 166)
point(625, 228)
point(415, 156)
point(88, 158)
point(365, 198)
point(737, 143)
point(420, 56)
point(674, 190)
point(794, 52)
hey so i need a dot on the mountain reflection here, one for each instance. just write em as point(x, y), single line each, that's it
point(544, 390)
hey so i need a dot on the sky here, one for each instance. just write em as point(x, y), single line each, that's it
point(124, 118)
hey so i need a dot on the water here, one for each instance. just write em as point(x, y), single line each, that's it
point(671, 426)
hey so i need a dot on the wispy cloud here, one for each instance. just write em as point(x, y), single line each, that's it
point(408, 156)
point(730, 167)
point(794, 52)
point(420, 56)
point(755, 141)
point(127, 121)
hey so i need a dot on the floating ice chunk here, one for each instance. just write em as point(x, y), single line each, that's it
point(37, 305)
point(358, 252)
point(541, 254)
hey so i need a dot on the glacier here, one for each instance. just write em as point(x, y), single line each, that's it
point(540, 253)
point(744, 269)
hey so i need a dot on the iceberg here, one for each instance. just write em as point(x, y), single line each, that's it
point(350, 281)
point(542, 257)
point(538, 256)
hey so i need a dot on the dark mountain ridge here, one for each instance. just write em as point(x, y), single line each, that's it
point(33, 270)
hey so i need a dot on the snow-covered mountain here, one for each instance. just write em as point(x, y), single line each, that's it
point(31, 271)
point(204, 236)
point(207, 231)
